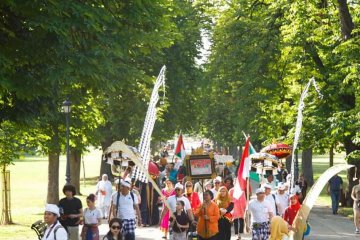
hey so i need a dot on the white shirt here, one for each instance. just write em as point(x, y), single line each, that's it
point(126, 205)
point(283, 200)
point(61, 233)
point(172, 202)
point(91, 216)
point(272, 202)
point(260, 211)
point(214, 191)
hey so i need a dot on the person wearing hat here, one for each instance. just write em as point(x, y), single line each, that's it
point(172, 200)
point(282, 198)
point(71, 212)
point(124, 205)
point(272, 199)
point(261, 214)
point(54, 230)
point(217, 185)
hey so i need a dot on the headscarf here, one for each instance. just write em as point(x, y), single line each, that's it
point(295, 207)
point(278, 228)
point(223, 202)
point(186, 189)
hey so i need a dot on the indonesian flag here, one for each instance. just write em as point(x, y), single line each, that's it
point(243, 172)
point(180, 149)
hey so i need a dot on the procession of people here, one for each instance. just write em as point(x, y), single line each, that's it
point(188, 208)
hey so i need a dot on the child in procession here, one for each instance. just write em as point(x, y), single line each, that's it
point(181, 222)
point(92, 218)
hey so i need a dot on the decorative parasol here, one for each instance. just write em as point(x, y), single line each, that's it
point(153, 169)
point(263, 162)
point(119, 150)
point(280, 150)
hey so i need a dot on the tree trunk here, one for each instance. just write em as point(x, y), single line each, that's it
point(6, 209)
point(53, 168)
point(331, 156)
point(288, 164)
point(234, 151)
point(347, 24)
point(351, 174)
point(75, 165)
point(53, 178)
point(307, 168)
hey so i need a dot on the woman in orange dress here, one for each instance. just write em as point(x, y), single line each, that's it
point(223, 201)
point(208, 216)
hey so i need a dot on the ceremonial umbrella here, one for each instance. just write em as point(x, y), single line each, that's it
point(124, 151)
point(263, 162)
point(280, 150)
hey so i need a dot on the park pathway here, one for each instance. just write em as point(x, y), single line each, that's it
point(324, 226)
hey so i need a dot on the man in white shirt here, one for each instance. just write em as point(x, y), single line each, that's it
point(282, 198)
point(54, 230)
point(261, 214)
point(217, 185)
point(172, 202)
point(270, 181)
point(124, 205)
point(272, 199)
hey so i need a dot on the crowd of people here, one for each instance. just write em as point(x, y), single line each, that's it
point(188, 209)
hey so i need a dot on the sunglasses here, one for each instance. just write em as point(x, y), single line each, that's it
point(188, 186)
point(115, 227)
point(217, 182)
point(177, 189)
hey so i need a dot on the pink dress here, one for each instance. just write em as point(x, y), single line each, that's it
point(164, 226)
point(239, 205)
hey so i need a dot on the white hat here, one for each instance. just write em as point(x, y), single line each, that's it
point(266, 185)
point(126, 183)
point(53, 209)
point(281, 186)
point(217, 179)
point(260, 190)
point(179, 185)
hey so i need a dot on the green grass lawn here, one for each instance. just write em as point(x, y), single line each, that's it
point(29, 186)
point(28, 191)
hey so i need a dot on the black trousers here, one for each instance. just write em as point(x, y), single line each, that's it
point(239, 225)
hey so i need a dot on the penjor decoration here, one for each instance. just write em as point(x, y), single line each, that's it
point(144, 146)
point(299, 123)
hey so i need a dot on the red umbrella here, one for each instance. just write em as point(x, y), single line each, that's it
point(153, 169)
point(280, 150)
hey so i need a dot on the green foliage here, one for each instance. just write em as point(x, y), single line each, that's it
point(353, 157)
point(11, 143)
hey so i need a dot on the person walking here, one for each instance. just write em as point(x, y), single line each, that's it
point(261, 215)
point(103, 192)
point(208, 216)
point(238, 212)
point(282, 198)
point(71, 212)
point(54, 230)
point(124, 205)
point(223, 201)
point(92, 219)
point(167, 192)
point(292, 210)
point(115, 230)
point(355, 195)
point(272, 199)
point(180, 222)
point(334, 189)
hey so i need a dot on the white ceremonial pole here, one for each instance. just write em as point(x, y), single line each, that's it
point(144, 145)
point(299, 123)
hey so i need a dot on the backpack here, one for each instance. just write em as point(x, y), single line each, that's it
point(276, 208)
point(117, 201)
point(55, 230)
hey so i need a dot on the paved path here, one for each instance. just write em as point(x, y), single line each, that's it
point(324, 226)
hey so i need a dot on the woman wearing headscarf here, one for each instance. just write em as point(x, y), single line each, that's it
point(104, 191)
point(167, 192)
point(278, 229)
point(223, 201)
point(292, 210)
point(238, 212)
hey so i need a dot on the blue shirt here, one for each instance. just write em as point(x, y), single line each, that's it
point(335, 183)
